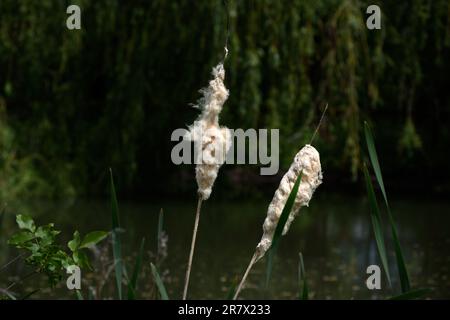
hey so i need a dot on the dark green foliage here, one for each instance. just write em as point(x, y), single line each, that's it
point(75, 102)
point(48, 257)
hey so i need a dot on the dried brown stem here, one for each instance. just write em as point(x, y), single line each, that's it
point(244, 278)
point(191, 254)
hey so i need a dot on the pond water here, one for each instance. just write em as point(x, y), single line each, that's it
point(334, 235)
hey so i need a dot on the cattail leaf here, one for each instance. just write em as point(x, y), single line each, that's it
point(285, 213)
point(280, 226)
point(232, 289)
point(136, 271)
point(374, 159)
point(92, 238)
point(117, 246)
point(401, 266)
point(411, 295)
point(159, 284)
point(303, 285)
point(377, 224)
point(269, 267)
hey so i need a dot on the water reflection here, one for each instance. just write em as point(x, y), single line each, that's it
point(334, 235)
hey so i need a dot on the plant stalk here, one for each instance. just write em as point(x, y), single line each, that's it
point(244, 278)
point(191, 254)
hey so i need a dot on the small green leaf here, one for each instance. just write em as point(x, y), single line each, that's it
point(75, 242)
point(132, 285)
point(80, 258)
point(20, 238)
point(159, 283)
point(25, 222)
point(45, 232)
point(93, 238)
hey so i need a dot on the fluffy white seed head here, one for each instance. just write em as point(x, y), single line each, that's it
point(306, 161)
point(211, 140)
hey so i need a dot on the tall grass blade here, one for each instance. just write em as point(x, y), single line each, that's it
point(232, 289)
point(280, 226)
point(269, 268)
point(136, 271)
point(117, 246)
point(411, 295)
point(159, 284)
point(303, 285)
point(401, 266)
point(374, 158)
point(377, 225)
point(29, 294)
point(8, 294)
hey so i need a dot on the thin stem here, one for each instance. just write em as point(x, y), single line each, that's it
point(12, 261)
point(191, 254)
point(239, 288)
point(225, 3)
point(320, 122)
point(21, 280)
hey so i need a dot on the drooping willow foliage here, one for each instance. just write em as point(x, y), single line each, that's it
point(73, 103)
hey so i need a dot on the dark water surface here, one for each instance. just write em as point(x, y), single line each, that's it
point(334, 235)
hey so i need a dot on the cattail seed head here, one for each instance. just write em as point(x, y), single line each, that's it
point(212, 141)
point(306, 162)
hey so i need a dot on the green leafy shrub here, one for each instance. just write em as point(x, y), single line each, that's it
point(48, 257)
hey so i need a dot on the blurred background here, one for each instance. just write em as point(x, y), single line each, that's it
point(74, 103)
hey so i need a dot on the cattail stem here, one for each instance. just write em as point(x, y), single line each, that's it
point(244, 278)
point(319, 124)
point(191, 254)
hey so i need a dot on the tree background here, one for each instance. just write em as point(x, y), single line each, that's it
point(73, 103)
